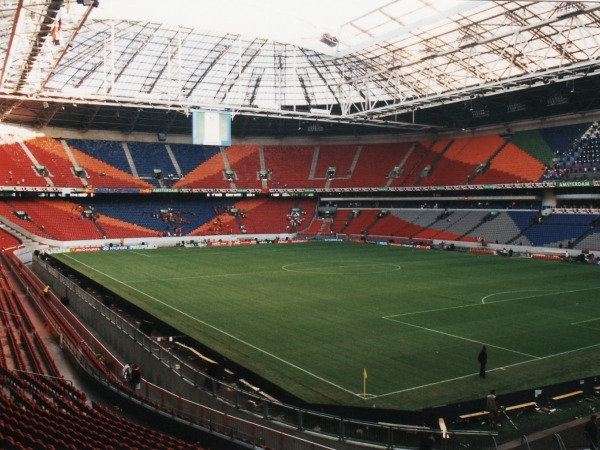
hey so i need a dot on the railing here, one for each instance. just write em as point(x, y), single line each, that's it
point(560, 442)
point(323, 426)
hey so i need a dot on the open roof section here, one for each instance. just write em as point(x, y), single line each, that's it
point(391, 58)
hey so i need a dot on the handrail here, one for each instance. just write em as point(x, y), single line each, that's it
point(560, 442)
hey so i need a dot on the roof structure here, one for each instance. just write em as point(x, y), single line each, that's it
point(399, 65)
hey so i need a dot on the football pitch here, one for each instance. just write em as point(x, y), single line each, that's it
point(316, 318)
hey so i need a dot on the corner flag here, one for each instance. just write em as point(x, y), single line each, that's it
point(364, 383)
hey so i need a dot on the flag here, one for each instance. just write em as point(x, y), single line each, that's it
point(365, 383)
point(365, 374)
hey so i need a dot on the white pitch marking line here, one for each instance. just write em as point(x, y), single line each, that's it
point(287, 268)
point(579, 324)
point(548, 292)
point(431, 330)
point(425, 311)
point(141, 254)
point(414, 388)
point(585, 321)
point(219, 330)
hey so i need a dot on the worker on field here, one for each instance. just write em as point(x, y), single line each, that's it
point(482, 358)
point(491, 405)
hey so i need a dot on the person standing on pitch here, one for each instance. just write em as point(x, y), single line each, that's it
point(482, 358)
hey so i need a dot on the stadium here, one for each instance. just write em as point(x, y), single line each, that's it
point(249, 225)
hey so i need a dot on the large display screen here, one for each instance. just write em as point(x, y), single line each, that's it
point(211, 128)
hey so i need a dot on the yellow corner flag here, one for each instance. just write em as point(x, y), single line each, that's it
point(364, 383)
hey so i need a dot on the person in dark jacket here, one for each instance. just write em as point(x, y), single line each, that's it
point(482, 358)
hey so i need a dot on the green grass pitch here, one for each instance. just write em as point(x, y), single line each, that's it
point(312, 317)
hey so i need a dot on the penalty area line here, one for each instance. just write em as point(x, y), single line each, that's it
point(549, 293)
point(241, 341)
point(462, 377)
point(471, 305)
point(454, 336)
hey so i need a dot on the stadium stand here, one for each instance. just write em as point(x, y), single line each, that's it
point(244, 161)
point(359, 225)
point(448, 162)
point(290, 166)
point(339, 159)
point(189, 156)
point(18, 169)
point(156, 215)
point(8, 240)
point(533, 143)
point(559, 230)
point(111, 173)
point(405, 161)
point(511, 165)
point(374, 164)
point(209, 175)
point(35, 417)
point(108, 152)
point(151, 161)
point(50, 154)
point(455, 161)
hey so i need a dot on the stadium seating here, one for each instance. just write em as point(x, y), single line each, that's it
point(109, 174)
point(8, 240)
point(290, 166)
point(35, 417)
point(448, 168)
point(110, 153)
point(17, 168)
point(209, 175)
point(113, 164)
point(190, 156)
point(340, 157)
point(360, 224)
point(558, 230)
point(51, 154)
point(150, 157)
point(376, 162)
point(156, 215)
point(512, 165)
point(420, 161)
point(245, 163)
